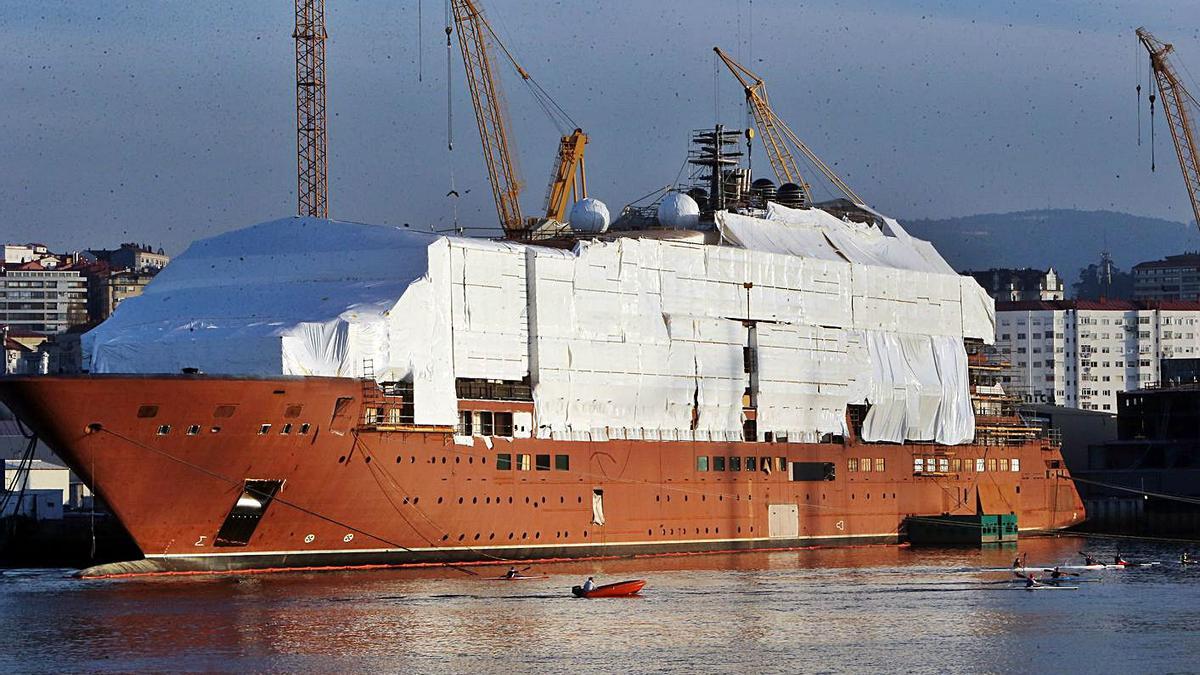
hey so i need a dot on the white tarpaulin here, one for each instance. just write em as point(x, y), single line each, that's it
point(636, 338)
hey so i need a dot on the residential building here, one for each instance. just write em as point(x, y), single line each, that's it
point(1010, 284)
point(1081, 353)
point(135, 257)
point(1176, 277)
point(40, 300)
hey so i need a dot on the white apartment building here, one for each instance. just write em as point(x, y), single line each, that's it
point(42, 301)
point(1080, 353)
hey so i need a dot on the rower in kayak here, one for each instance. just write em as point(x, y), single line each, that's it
point(1186, 558)
point(1088, 559)
point(511, 574)
point(1118, 560)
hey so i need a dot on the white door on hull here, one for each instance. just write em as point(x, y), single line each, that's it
point(783, 521)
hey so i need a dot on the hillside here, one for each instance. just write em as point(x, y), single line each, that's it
point(1067, 239)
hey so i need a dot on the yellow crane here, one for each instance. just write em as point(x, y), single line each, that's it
point(568, 179)
point(778, 137)
point(1178, 105)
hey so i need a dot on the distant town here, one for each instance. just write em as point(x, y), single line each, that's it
point(49, 300)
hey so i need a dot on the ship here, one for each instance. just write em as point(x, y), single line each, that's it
point(728, 368)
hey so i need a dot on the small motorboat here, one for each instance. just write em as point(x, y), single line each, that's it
point(621, 589)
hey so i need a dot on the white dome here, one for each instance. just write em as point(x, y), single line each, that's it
point(679, 211)
point(589, 215)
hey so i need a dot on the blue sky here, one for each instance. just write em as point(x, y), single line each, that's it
point(166, 121)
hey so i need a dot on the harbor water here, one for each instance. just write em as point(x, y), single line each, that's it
point(866, 609)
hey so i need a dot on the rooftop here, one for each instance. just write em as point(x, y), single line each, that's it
point(1100, 305)
point(1181, 260)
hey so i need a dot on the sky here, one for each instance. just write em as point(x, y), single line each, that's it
point(166, 121)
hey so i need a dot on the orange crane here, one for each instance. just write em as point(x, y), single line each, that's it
point(778, 136)
point(312, 192)
point(569, 177)
point(1178, 105)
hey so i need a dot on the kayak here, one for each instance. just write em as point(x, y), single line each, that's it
point(520, 577)
point(1133, 564)
point(1051, 588)
point(621, 589)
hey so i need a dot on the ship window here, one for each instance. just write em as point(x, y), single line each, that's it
point(991, 464)
point(718, 463)
point(147, 411)
point(866, 464)
point(735, 463)
point(304, 428)
point(214, 430)
point(1016, 464)
point(542, 462)
point(702, 464)
point(955, 465)
point(979, 465)
point(813, 471)
point(781, 463)
point(224, 411)
point(562, 462)
point(1003, 464)
point(193, 430)
point(286, 429)
point(486, 424)
point(503, 424)
point(164, 429)
point(750, 464)
point(918, 464)
point(466, 426)
point(523, 463)
point(264, 430)
point(765, 463)
point(879, 464)
point(293, 411)
point(852, 464)
point(943, 464)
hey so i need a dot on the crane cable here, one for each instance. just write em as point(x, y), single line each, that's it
point(1150, 87)
point(453, 191)
point(553, 110)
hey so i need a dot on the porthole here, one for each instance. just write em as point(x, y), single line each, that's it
point(685, 498)
point(460, 500)
point(399, 459)
point(285, 429)
point(537, 535)
point(474, 500)
point(304, 428)
point(457, 460)
point(706, 530)
point(491, 536)
point(562, 500)
point(416, 499)
point(367, 459)
point(585, 534)
point(264, 429)
point(406, 500)
point(716, 530)
point(341, 459)
point(668, 497)
point(462, 536)
point(412, 460)
point(164, 429)
point(476, 536)
point(214, 430)
point(193, 430)
point(487, 500)
point(470, 460)
point(510, 535)
point(510, 500)
point(439, 500)
point(443, 460)
point(445, 537)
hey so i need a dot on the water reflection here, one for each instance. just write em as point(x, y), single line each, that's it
point(873, 608)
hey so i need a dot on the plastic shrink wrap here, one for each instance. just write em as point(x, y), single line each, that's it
point(629, 338)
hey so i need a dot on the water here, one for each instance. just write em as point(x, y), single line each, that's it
point(835, 610)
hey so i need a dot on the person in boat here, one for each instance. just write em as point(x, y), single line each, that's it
point(1017, 562)
point(512, 573)
point(1118, 560)
point(1186, 558)
point(1089, 560)
point(589, 585)
point(1031, 581)
point(1055, 574)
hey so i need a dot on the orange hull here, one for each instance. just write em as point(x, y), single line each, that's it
point(171, 457)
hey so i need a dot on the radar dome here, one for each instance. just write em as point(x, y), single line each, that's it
point(589, 215)
point(679, 211)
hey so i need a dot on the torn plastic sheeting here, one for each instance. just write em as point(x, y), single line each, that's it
point(777, 237)
point(978, 311)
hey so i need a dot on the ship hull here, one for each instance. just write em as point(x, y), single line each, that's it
point(182, 462)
